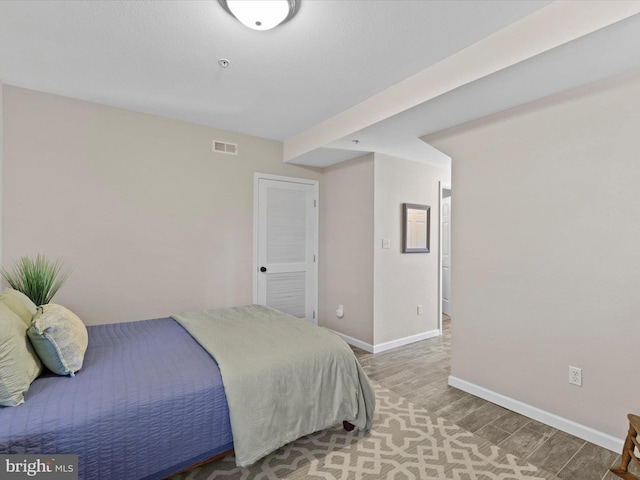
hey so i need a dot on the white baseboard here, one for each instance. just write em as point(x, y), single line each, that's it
point(381, 347)
point(581, 431)
point(354, 341)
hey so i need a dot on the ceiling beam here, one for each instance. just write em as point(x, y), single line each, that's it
point(543, 30)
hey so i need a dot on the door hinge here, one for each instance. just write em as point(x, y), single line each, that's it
point(315, 204)
point(314, 314)
point(314, 259)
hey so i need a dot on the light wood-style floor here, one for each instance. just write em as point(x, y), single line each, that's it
point(419, 372)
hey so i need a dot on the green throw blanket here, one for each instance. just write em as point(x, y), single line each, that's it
point(283, 377)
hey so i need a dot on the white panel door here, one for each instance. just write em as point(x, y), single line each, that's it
point(446, 255)
point(286, 268)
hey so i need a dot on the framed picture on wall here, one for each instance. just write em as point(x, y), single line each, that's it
point(416, 220)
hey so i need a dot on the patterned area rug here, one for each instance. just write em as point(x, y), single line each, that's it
point(406, 442)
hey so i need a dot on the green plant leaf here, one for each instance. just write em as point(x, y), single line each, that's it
point(38, 279)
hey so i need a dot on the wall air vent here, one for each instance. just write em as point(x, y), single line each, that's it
point(224, 147)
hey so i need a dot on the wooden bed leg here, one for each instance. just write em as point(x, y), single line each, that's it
point(199, 464)
point(348, 426)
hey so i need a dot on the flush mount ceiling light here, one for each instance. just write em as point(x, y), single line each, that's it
point(261, 14)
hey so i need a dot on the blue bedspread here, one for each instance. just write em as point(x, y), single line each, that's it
point(148, 401)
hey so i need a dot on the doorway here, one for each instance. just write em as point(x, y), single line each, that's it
point(445, 251)
point(285, 244)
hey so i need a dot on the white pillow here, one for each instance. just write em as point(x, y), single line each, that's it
point(19, 304)
point(59, 338)
point(19, 365)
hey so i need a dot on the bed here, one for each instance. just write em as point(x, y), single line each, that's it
point(150, 401)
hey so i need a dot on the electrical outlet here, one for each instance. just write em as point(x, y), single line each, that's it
point(575, 376)
point(419, 309)
point(386, 243)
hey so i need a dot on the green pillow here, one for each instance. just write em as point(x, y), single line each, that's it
point(59, 337)
point(19, 365)
point(19, 304)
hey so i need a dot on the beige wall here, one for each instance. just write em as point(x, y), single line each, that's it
point(152, 219)
point(404, 281)
point(155, 222)
point(1, 159)
point(346, 248)
point(379, 288)
point(546, 229)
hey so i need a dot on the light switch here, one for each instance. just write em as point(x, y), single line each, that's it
point(386, 243)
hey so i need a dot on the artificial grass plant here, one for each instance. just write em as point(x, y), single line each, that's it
point(38, 279)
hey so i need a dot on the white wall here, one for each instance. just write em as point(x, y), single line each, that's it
point(153, 220)
point(346, 248)
point(404, 281)
point(546, 235)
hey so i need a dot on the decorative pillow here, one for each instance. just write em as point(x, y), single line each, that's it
point(19, 304)
point(19, 365)
point(59, 337)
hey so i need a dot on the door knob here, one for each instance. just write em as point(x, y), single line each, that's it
point(263, 269)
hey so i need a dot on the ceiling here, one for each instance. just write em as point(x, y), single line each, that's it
point(285, 84)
